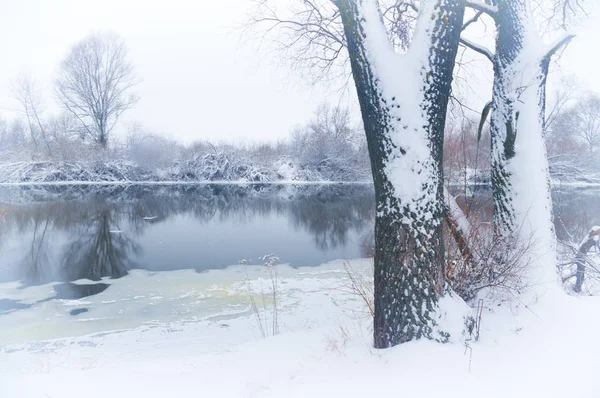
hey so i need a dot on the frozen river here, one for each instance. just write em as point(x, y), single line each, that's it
point(76, 260)
point(87, 259)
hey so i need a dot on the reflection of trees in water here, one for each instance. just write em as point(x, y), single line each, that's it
point(37, 258)
point(330, 217)
point(99, 250)
point(88, 214)
point(41, 223)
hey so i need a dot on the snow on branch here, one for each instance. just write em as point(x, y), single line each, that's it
point(477, 48)
point(472, 20)
point(560, 43)
point(486, 8)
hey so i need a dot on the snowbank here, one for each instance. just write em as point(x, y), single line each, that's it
point(222, 168)
point(198, 168)
point(211, 344)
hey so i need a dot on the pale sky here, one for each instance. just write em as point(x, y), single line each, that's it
point(199, 78)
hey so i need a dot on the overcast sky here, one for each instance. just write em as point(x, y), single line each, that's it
point(200, 79)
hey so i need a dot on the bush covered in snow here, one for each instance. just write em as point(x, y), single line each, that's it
point(328, 148)
point(46, 172)
point(218, 167)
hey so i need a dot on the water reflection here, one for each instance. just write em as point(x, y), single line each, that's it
point(67, 233)
point(102, 247)
point(576, 210)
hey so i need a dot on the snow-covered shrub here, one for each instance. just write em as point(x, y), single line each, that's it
point(497, 265)
point(330, 146)
point(45, 172)
point(219, 167)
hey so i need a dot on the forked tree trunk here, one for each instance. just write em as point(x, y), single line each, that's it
point(403, 100)
point(520, 179)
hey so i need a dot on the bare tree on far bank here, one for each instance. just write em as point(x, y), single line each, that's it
point(94, 85)
point(25, 92)
point(586, 123)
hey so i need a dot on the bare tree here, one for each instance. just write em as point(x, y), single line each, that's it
point(327, 135)
point(586, 118)
point(310, 34)
point(25, 91)
point(330, 144)
point(558, 14)
point(94, 85)
point(560, 99)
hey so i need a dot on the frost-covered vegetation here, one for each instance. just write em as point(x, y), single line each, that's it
point(327, 148)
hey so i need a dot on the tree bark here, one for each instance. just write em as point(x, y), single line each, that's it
point(520, 178)
point(509, 45)
point(409, 251)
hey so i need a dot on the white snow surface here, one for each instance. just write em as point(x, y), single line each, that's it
point(183, 334)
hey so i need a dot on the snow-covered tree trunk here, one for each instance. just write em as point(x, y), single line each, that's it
point(520, 179)
point(403, 101)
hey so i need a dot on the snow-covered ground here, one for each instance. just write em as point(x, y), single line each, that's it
point(184, 334)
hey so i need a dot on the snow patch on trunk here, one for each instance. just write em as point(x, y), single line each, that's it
point(410, 167)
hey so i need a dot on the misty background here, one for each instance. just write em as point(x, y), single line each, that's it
point(202, 75)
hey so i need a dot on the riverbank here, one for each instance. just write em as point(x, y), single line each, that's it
point(323, 347)
point(220, 169)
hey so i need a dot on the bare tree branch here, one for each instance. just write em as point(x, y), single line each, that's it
point(472, 20)
point(310, 36)
point(559, 14)
point(483, 7)
point(25, 92)
point(477, 48)
point(94, 83)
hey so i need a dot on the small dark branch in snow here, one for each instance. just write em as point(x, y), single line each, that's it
point(479, 314)
point(477, 48)
point(479, 6)
point(564, 41)
point(463, 105)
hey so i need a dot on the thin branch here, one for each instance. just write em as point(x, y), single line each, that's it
point(477, 48)
point(492, 11)
point(472, 20)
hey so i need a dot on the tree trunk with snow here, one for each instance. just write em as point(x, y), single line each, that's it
point(520, 179)
point(403, 101)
